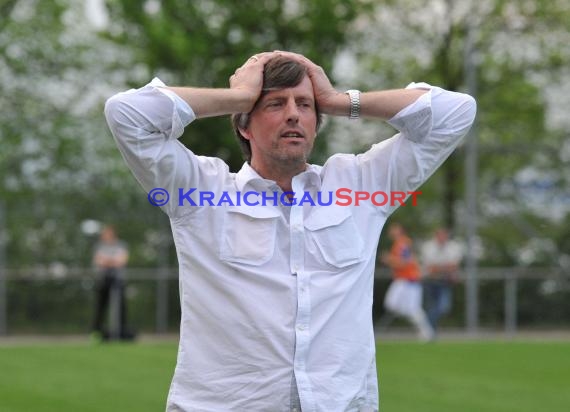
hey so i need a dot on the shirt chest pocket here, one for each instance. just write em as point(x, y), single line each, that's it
point(248, 234)
point(336, 235)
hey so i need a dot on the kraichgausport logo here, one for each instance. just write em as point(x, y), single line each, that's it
point(340, 197)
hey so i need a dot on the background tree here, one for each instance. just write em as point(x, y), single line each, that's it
point(202, 43)
point(522, 72)
point(58, 164)
point(59, 61)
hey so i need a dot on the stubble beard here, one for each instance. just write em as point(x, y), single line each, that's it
point(286, 157)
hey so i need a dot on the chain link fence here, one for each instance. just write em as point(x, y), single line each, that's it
point(59, 300)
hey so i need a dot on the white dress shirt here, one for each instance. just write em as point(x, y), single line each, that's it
point(434, 253)
point(268, 291)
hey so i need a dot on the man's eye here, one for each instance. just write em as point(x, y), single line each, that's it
point(274, 104)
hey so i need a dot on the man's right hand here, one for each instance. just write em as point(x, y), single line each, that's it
point(245, 88)
point(249, 78)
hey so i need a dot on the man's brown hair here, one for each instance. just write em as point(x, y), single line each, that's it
point(278, 73)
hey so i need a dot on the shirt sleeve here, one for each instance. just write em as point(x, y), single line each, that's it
point(427, 253)
point(429, 130)
point(146, 124)
point(457, 252)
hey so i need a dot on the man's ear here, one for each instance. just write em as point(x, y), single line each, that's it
point(245, 133)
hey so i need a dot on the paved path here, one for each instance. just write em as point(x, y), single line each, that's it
point(459, 335)
point(22, 340)
point(390, 335)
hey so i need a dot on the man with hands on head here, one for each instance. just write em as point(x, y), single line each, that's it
point(276, 299)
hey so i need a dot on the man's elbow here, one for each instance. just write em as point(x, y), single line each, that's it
point(469, 112)
point(114, 111)
point(471, 104)
point(464, 116)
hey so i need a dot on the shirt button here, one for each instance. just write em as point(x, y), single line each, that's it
point(301, 327)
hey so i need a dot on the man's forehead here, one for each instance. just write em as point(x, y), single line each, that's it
point(303, 89)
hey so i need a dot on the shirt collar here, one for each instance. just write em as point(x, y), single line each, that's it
point(311, 176)
point(247, 175)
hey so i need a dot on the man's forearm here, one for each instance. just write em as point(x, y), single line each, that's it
point(214, 102)
point(219, 102)
point(387, 103)
point(383, 104)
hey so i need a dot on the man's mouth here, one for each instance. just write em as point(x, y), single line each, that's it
point(297, 135)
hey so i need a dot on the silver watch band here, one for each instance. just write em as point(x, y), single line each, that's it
point(354, 96)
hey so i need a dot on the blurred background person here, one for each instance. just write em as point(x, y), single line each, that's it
point(110, 258)
point(404, 295)
point(441, 258)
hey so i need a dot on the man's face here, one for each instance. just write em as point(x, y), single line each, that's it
point(394, 231)
point(282, 127)
point(441, 236)
point(108, 235)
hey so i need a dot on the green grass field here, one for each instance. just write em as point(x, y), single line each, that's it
point(468, 376)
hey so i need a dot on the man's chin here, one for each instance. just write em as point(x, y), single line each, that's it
point(294, 156)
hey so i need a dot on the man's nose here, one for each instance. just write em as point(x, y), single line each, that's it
point(292, 111)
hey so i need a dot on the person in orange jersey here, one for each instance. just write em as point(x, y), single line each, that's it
point(404, 295)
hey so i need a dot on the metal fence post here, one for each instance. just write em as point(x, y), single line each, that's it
point(162, 300)
point(162, 287)
point(115, 308)
point(3, 294)
point(471, 159)
point(511, 303)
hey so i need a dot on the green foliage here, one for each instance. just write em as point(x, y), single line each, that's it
point(520, 62)
point(59, 165)
point(203, 43)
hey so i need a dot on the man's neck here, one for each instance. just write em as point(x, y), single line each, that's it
point(282, 174)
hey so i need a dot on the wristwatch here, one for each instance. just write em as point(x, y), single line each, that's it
point(354, 96)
